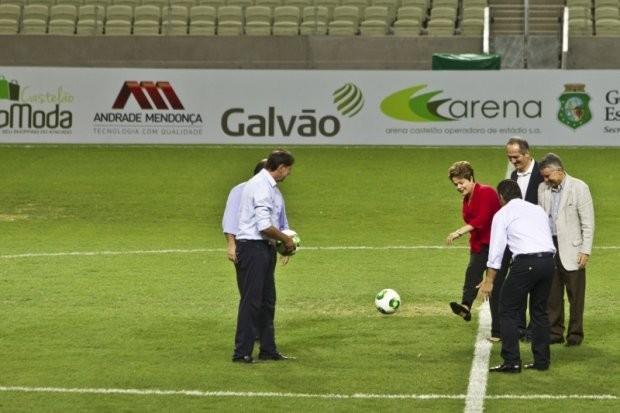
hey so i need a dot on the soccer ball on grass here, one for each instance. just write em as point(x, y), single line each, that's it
point(387, 301)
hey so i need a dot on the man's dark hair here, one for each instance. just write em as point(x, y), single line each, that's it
point(279, 157)
point(260, 166)
point(508, 190)
point(551, 160)
point(522, 143)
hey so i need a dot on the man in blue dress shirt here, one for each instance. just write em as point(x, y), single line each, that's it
point(259, 212)
point(524, 228)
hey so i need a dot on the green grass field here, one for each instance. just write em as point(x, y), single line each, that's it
point(137, 317)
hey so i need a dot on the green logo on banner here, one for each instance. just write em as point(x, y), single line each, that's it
point(349, 100)
point(9, 90)
point(574, 110)
point(404, 105)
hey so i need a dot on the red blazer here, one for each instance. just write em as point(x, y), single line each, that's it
point(478, 210)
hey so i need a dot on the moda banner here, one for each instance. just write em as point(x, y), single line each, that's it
point(85, 105)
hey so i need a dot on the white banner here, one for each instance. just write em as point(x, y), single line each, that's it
point(82, 105)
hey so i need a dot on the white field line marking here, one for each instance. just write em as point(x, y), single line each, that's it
point(478, 374)
point(211, 250)
point(202, 393)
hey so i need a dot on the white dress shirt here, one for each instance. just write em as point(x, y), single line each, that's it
point(523, 179)
point(524, 227)
point(259, 208)
point(230, 220)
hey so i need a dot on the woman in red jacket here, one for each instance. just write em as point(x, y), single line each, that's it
point(480, 203)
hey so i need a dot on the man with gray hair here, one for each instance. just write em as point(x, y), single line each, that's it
point(568, 203)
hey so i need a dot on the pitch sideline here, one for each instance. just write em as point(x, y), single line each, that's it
point(331, 396)
point(212, 250)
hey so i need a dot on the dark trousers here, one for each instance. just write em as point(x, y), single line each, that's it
point(527, 275)
point(495, 296)
point(256, 262)
point(575, 284)
point(473, 275)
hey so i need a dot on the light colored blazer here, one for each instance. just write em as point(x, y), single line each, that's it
point(575, 220)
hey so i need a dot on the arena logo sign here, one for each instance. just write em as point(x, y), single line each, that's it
point(158, 101)
point(574, 110)
point(405, 105)
point(28, 110)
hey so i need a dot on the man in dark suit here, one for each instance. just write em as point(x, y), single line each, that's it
point(527, 174)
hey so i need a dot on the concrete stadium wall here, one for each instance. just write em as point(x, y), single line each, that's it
point(297, 52)
point(594, 53)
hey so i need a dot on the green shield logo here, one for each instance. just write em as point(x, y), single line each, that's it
point(574, 110)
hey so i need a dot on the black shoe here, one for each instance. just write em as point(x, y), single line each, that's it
point(571, 342)
point(556, 340)
point(274, 356)
point(460, 310)
point(244, 359)
point(506, 368)
point(533, 366)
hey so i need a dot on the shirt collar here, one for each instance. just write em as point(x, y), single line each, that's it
point(269, 178)
point(559, 187)
point(529, 170)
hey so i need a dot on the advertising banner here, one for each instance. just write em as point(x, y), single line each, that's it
point(86, 105)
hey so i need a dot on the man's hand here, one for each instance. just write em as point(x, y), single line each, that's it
point(289, 245)
point(582, 260)
point(232, 253)
point(484, 289)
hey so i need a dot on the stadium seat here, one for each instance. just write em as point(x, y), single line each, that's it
point(272, 4)
point(475, 3)
point(9, 26)
point(130, 3)
point(606, 3)
point(314, 20)
point(188, 4)
point(286, 21)
point(174, 20)
point(391, 5)
point(61, 27)
point(473, 12)
point(408, 22)
point(440, 27)
point(580, 27)
point(341, 28)
point(63, 11)
point(36, 12)
point(360, 4)
point(104, 3)
point(443, 13)
point(329, 4)
point(422, 4)
point(472, 27)
point(10, 12)
point(90, 20)
point(453, 4)
point(76, 3)
point(258, 21)
point(157, 3)
point(300, 4)
point(579, 12)
point(202, 20)
point(117, 28)
point(373, 28)
point(379, 13)
point(608, 27)
point(20, 3)
point(147, 20)
point(216, 4)
point(47, 3)
point(411, 13)
point(240, 3)
point(579, 3)
point(33, 26)
point(606, 12)
point(347, 13)
point(230, 21)
point(119, 13)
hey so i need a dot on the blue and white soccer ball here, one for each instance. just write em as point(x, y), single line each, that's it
point(387, 301)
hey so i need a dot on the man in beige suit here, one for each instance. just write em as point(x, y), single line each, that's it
point(568, 203)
